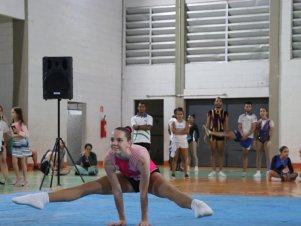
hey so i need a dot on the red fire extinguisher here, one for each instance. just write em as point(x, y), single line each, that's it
point(103, 127)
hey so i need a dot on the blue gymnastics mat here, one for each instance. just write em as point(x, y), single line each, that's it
point(100, 210)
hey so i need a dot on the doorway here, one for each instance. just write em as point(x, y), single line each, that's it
point(232, 150)
point(75, 129)
point(155, 109)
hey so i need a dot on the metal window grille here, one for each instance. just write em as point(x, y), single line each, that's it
point(228, 30)
point(296, 29)
point(216, 31)
point(150, 35)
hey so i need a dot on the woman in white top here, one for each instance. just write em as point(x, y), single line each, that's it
point(180, 129)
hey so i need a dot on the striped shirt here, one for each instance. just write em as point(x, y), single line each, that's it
point(217, 119)
point(141, 136)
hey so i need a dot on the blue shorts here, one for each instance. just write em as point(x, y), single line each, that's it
point(244, 143)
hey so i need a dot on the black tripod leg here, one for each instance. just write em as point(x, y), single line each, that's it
point(72, 161)
point(43, 179)
point(49, 166)
point(53, 162)
point(58, 160)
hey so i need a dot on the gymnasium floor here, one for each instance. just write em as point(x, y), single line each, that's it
point(235, 200)
point(198, 183)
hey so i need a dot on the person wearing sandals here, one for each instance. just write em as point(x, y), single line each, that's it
point(20, 147)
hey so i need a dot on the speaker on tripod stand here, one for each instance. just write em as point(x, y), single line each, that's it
point(58, 84)
point(57, 78)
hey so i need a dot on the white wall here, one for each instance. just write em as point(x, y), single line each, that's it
point(12, 8)
point(290, 92)
point(90, 32)
point(6, 64)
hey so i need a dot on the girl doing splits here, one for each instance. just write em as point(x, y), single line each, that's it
point(129, 169)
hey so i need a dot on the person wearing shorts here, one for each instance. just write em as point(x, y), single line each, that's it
point(128, 168)
point(180, 129)
point(244, 135)
point(217, 121)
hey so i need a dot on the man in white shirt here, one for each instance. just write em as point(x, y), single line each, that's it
point(142, 124)
point(246, 126)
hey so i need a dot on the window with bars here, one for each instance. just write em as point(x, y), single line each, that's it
point(296, 29)
point(216, 31)
point(150, 35)
point(227, 31)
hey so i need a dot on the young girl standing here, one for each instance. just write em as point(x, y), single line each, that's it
point(180, 129)
point(20, 147)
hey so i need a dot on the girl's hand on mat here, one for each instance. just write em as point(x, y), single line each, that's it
point(119, 223)
point(144, 223)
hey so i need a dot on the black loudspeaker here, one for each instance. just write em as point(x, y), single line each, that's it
point(57, 78)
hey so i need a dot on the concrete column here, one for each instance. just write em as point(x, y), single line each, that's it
point(20, 59)
point(180, 52)
point(274, 72)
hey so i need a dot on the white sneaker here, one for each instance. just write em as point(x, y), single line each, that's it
point(222, 174)
point(212, 174)
point(207, 131)
point(200, 209)
point(244, 174)
point(196, 169)
point(257, 174)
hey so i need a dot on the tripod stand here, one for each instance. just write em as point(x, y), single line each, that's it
point(58, 148)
